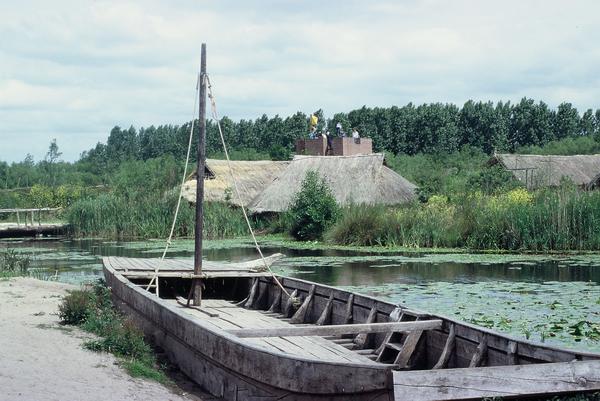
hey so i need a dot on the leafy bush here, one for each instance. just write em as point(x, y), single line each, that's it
point(61, 196)
point(313, 208)
point(75, 307)
point(492, 180)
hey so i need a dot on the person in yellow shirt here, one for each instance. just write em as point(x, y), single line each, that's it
point(313, 126)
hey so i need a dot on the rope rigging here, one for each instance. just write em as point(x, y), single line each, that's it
point(215, 116)
point(187, 161)
point(235, 186)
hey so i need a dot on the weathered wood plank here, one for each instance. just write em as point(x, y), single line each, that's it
point(253, 294)
point(276, 305)
point(480, 354)
point(395, 316)
point(361, 338)
point(339, 329)
point(300, 314)
point(186, 275)
point(448, 349)
point(408, 348)
point(289, 305)
point(182, 301)
point(512, 353)
point(325, 317)
point(349, 309)
point(497, 381)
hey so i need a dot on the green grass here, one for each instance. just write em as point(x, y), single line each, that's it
point(93, 311)
point(14, 264)
point(114, 216)
point(562, 219)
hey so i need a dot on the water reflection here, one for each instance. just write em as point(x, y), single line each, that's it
point(537, 297)
point(77, 259)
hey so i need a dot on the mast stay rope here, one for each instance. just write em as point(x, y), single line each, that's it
point(235, 186)
point(215, 116)
point(187, 161)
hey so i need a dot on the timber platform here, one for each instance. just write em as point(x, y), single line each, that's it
point(29, 223)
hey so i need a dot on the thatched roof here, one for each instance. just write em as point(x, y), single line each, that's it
point(252, 177)
point(538, 171)
point(359, 179)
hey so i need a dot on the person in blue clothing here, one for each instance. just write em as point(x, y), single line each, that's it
point(329, 150)
point(338, 130)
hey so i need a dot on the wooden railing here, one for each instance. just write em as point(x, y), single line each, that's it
point(29, 213)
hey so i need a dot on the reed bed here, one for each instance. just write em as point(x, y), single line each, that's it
point(548, 220)
point(113, 216)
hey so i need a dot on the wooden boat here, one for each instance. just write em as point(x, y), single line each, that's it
point(249, 341)
point(251, 335)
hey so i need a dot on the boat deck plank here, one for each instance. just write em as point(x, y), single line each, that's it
point(185, 265)
point(231, 316)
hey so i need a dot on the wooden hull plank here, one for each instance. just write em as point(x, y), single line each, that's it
point(497, 381)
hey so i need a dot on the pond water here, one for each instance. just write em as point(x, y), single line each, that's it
point(555, 299)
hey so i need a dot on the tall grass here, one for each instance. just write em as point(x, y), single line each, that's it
point(552, 219)
point(13, 264)
point(113, 216)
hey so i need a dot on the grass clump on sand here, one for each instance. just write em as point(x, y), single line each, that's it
point(92, 309)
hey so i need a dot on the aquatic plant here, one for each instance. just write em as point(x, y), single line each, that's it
point(563, 218)
point(13, 263)
point(113, 216)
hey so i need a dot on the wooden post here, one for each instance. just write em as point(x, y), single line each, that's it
point(200, 179)
point(18, 220)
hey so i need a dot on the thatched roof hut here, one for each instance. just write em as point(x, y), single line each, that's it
point(252, 177)
point(538, 171)
point(359, 179)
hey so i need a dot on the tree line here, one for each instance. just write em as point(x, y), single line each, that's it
point(410, 130)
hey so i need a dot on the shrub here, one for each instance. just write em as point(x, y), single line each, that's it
point(313, 208)
point(75, 307)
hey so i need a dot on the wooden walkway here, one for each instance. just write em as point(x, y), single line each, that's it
point(12, 230)
point(27, 225)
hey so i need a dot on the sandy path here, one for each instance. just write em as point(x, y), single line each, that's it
point(41, 360)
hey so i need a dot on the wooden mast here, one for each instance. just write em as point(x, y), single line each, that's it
point(201, 160)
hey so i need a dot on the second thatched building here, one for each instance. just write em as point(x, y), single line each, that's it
point(536, 171)
point(358, 179)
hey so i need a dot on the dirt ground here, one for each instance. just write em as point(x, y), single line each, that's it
point(42, 360)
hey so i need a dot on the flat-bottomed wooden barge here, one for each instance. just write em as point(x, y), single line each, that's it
point(249, 341)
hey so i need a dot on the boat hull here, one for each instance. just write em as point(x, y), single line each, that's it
point(230, 367)
point(234, 372)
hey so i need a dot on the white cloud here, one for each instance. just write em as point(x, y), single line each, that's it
point(72, 70)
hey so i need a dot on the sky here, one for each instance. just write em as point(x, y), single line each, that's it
point(72, 70)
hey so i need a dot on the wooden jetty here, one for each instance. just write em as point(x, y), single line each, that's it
point(248, 340)
point(29, 223)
